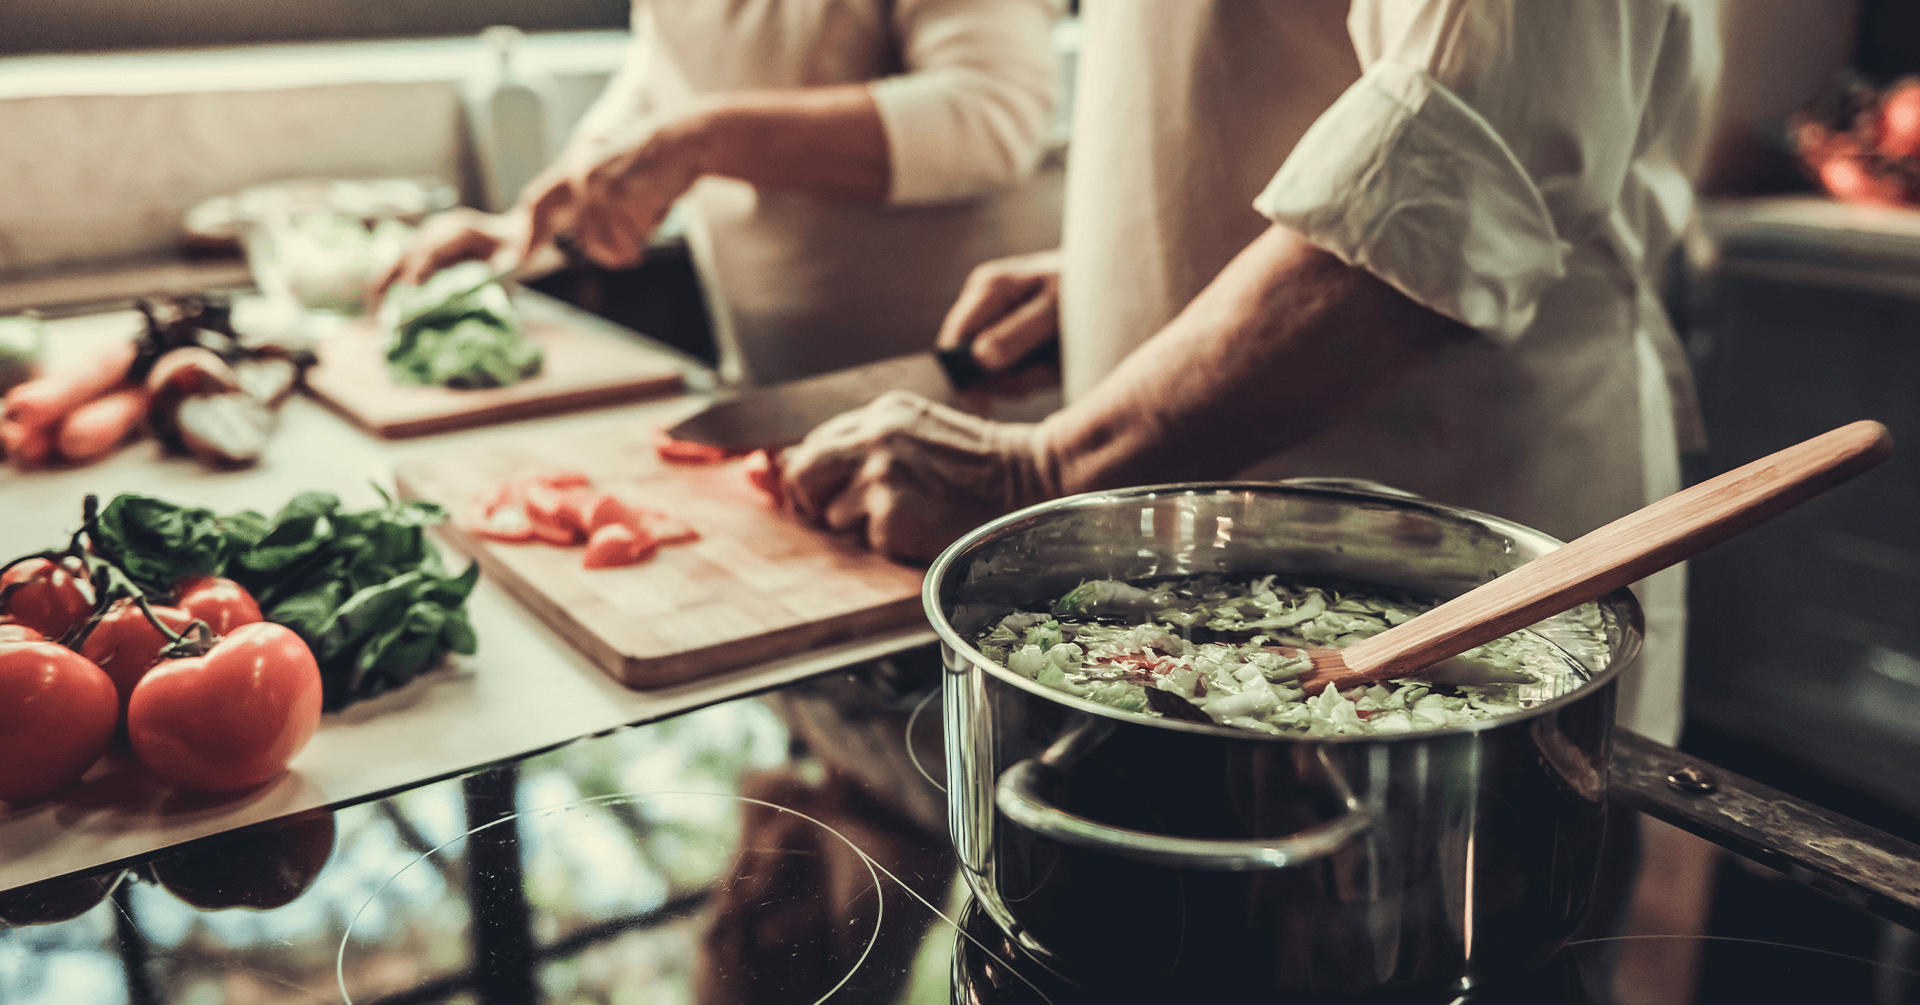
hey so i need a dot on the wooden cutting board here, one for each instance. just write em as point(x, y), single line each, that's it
point(589, 363)
point(756, 586)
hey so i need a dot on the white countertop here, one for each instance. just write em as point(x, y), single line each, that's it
point(526, 689)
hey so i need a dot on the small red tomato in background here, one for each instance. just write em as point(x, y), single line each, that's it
point(231, 719)
point(222, 603)
point(52, 599)
point(125, 644)
point(1899, 132)
point(1850, 179)
point(57, 713)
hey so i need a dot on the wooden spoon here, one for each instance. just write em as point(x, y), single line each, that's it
point(1628, 549)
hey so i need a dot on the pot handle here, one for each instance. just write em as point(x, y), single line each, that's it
point(1019, 797)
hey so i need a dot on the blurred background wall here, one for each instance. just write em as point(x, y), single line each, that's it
point(41, 26)
point(116, 116)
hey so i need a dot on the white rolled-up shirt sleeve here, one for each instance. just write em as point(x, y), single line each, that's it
point(623, 101)
point(1483, 140)
point(970, 113)
point(1404, 180)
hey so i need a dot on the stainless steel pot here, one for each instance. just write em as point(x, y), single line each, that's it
point(1153, 856)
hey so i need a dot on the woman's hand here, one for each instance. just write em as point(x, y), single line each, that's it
point(449, 238)
point(611, 196)
point(1009, 308)
point(914, 475)
point(615, 193)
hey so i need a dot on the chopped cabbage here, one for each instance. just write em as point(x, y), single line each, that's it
point(1229, 649)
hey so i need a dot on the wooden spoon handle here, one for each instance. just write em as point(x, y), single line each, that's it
point(1628, 549)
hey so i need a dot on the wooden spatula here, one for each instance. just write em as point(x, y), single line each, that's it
point(1635, 546)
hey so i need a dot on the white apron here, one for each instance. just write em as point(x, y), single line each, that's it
point(1562, 418)
point(798, 284)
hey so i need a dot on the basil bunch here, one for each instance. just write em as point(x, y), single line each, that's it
point(366, 591)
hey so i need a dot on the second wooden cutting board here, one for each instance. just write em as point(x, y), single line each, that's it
point(756, 586)
point(588, 363)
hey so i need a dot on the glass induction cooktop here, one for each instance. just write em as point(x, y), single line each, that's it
point(788, 847)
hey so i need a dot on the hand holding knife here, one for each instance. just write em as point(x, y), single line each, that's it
point(449, 282)
point(781, 415)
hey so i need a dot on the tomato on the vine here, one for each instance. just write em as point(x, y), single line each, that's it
point(14, 631)
point(231, 719)
point(222, 603)
point(57, 714)
point(125, 644)
point(1899, 121)
point(50, 598)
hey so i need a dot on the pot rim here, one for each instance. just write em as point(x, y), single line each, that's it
point(1335, 488)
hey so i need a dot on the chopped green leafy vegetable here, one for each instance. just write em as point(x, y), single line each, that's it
point(473, 339)
point(367, 591)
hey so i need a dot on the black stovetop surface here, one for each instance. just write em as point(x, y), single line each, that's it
point(783, 848)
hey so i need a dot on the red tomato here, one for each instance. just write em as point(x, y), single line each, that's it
point(1900, 121)
point(555, 515)
point(1850, 180)
point(13, 631)
point(688, 452)
point(763, 472)
point(57, 712)
point(53, 600)
point(231, 719)
point(616, 544)
point(222, 603)
point(506, 522)
point(125, 644)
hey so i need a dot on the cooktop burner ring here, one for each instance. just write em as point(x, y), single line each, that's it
point(874, 869)
point(913, 720)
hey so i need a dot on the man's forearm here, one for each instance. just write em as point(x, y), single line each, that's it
point(825, 140)
point(1286, 341)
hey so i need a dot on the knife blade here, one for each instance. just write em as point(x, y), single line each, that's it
point(780, 415)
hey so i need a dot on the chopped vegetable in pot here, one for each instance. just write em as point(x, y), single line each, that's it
point(1205, 648)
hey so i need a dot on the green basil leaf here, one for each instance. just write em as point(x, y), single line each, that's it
point(367, 610)
point(287, 545)
point(158, 543)
point(245, 529)
point(459, 635)
point(309, 612)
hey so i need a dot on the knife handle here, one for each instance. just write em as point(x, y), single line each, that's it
point(568, 244)
point(963, 371)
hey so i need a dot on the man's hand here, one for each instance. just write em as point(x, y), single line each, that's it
point(915, 474)
point(1008, 308)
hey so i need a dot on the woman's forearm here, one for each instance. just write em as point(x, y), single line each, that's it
point(825, 140)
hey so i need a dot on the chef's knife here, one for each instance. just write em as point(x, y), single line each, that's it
point(781, 415)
